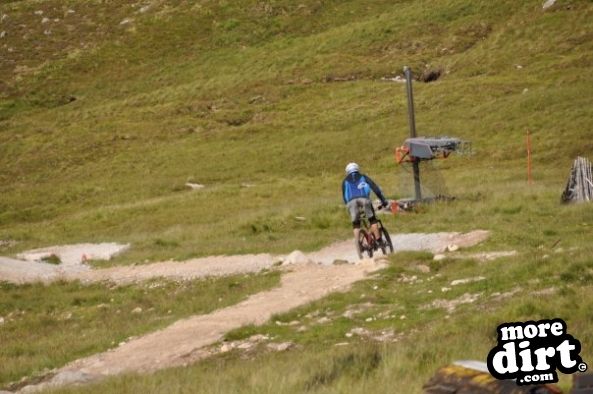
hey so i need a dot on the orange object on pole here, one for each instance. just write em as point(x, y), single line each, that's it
point(529, 178)
point(394, 207)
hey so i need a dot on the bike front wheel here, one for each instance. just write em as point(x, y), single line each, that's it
point(387, 244)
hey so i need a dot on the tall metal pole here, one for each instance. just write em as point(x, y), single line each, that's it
point(412, 122)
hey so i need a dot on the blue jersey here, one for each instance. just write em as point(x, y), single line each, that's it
point(357, 185)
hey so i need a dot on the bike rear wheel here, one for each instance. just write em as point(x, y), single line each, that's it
point(362, 245)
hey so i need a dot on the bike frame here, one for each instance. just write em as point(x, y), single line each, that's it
point(366, 225)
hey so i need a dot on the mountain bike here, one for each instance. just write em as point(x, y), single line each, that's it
point(366, 242)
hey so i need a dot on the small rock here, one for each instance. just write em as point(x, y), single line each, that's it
point(194, 186)
point(71, 377)
point(300, 218)
point(407, 279)
point(445, 289)
point(403, 317)
point(323, 320)
point(226, 348)
point(1, 320)
point(142, 10)
point(450, 305)
point(425, 269)
point(375, 287)
point(71, 12)
point(313, 314)
point(256, 99)
point(245, 346)
point(368, 319)
point(359, 331)
point(548, 3)
point(467, 280)
point(280, 347)
point(349, 335)
point(453, 248)
point(384, 336)
point(38, 12)
point(2, 34)
point(258, 338)
point(525, 91)
point(137, 310)
point(439, 257)
point(47, 32)
point(397, 79)
point(44, 20)
point(125, 22)
point(546, 291)
point(3, 17)
point(296, 257)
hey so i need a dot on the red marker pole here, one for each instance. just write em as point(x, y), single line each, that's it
point(529, 178)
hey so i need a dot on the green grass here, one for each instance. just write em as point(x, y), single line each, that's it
point(428, 337)
point(226, 106)
point(233, 93)
point(47, 326)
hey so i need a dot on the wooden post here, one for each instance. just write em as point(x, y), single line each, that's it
point(412, 122)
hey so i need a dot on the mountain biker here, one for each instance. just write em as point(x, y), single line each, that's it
point(356, 190)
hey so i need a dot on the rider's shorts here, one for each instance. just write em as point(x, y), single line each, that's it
point(360, 203)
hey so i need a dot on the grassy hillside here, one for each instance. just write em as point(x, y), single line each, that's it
point(236, 93)
point(108, 108)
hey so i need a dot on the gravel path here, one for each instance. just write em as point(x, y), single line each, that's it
point(182, 342)
point(24, 271)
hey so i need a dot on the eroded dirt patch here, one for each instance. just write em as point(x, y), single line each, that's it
point(186, 340)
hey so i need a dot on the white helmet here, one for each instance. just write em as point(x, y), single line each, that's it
point(352, 167)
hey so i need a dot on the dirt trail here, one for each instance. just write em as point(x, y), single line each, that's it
point(182, 342)
point(307, 278)
point(18, 271)
point(25, 271)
